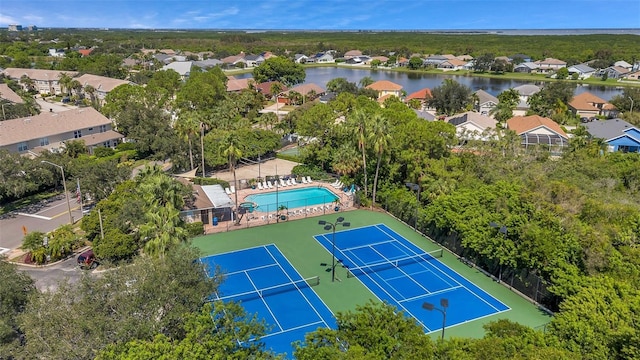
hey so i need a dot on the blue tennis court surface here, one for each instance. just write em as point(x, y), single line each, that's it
point(266, 284)
point(399, 272)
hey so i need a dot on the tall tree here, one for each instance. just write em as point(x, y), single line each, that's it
point(188, 127)
point(231, 150)
point(361, 130)
point(379, 137)
point(450, 98)
point(279, 69)
point(15, 289)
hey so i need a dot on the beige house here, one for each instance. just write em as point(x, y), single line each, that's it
point(588, 105)
point(535, 130)
point(44, 81)
point(7, 94)
point(473, 126)
point(49, 131)
point(550, 65)
point(102, 85)
point(385, 87)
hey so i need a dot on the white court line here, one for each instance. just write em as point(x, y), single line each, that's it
point(35, 216)
point(4, 250)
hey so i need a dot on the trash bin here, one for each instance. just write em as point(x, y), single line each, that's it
point(215, 221)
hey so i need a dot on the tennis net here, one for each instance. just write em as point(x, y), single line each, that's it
point(271, 290)
point(393, 263)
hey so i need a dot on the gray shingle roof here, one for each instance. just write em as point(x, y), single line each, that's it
point(607, 129)
point(485, 97)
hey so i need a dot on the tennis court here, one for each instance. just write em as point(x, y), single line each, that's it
point(399, 272)
point(265, 283)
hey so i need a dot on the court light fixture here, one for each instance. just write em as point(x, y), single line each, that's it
point(444, 304)
point(332, 226)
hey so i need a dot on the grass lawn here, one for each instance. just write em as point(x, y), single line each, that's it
point(295, 240)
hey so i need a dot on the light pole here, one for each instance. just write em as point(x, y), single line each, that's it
point(503, 230)
point(64, 185)
point(630, 98)
point(415, 187)
point(332, 226)
point(444, 304)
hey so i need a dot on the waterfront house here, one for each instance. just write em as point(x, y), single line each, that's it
point(422, 95)
point(549, 65)
point(526, 67)
point(525, 91)
point(583, 70)
point(613, 72)
point(535, 130)
point(385, 87)
point(486, 102)
point(588, 105)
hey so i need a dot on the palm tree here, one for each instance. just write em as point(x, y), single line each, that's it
point(380, 139)
point(346, 160)
point(76, 85)
point(361, 131)
point(27, 82)
point(162, 230)
point(187, 128)
point(88, 89)
point(233, 153)
point(276, 89)
point(65, 83)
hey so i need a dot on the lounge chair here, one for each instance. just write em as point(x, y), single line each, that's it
point(288, 182)
point(270, 184)
point(233, 189)
point(293, 181)
point(338, 185)
point(260, 186)
point(282, 183)
point(227, 191)
point(335, 183)
point(309, 179)
point(304, 180)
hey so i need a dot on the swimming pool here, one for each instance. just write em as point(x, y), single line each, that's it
point(292, 198)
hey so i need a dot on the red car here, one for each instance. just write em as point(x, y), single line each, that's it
point(87, 260)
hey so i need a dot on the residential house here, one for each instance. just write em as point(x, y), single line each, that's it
point(526, 67)
point(588, 105)
point(549, 65)
point(434, 60)
point(254, 60)
point(300, 58)
point(358, 60)
point(634, 75)
point(208, 63)
point(210, 203)
point(322, 57)
point(383, 59)
point(56, 52)
point(49, 131)
point(308, 92)
point(422, 95)
point(44, 81)
point(486, 102)
point(452, 64)
point(519, 58)
point(9, 95)
point(583, 70)
point(183, 68)
point(466, 58)
point(163, 58)
point(267, 55)
point(425, 115)
point(535, 130)
point(85, 52)
point(525, 91)
point(101, 84)
point(352, 53)
point(385, 87)
point(237, 85)
point(617, 133)
point(265, 88)
point(234, 60)
point(613, 72)
point(623, 64)
point(473, 126)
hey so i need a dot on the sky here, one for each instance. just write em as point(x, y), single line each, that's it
point(324, 14)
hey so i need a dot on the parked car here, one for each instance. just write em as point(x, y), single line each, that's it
point(87, 260)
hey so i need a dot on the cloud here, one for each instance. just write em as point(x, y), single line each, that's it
point(7, 19)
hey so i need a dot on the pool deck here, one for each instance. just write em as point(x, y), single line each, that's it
point(252, 220)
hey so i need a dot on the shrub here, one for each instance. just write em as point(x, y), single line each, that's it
point(101, 152)
point(210, 181)
point(195, 229)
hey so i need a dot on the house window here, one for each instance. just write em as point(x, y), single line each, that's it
point(90, 129)
point(44, 141)
point(77, 134)
point(23, 146)
point(107, 144)
point(103, 128)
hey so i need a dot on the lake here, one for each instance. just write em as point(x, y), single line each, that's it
point(412, 82)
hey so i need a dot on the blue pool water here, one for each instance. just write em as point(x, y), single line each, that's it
point(292, 198)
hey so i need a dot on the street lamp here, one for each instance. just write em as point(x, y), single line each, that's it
point(415, 187)
point(64, 185)
point(332, 226)
point(444, 304)
point(503, 230)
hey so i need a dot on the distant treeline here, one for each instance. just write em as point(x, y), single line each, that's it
point(570, 48)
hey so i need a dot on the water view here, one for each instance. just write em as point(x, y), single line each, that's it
point(415, 81)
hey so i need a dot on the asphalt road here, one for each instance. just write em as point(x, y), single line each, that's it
point(44, 217)
point(48, 277)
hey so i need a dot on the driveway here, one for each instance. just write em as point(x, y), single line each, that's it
point(53, 106)
point(47, 278)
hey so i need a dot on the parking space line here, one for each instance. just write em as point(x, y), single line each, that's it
point(35, 216)
point(4, 250)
